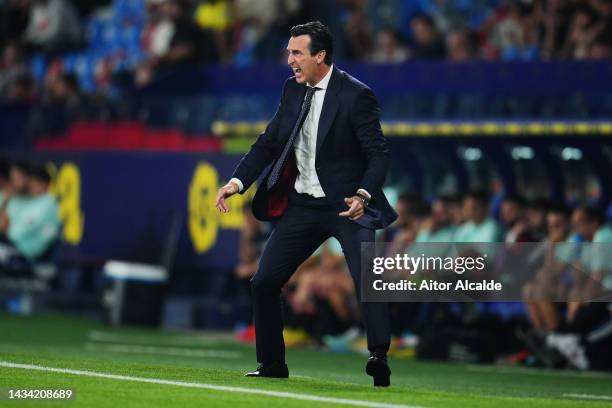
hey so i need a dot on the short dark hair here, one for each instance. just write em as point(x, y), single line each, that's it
point(22, 165)
point(320, 38)
point(71, 80)
point(478, 195)
point(559, 209)
point(425, 18)
point(539, 204)
point(515, 199)
point(592, 213)
point(40, 172)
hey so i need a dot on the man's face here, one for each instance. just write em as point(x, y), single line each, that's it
point(19, 180)
point(422, 31)
point(170, 10)
point(305, 66)
point(470, 209)
point(440, 213)
point(582, 226)
point(536, 217)
point(557, 226)
point(36, 186)
point(510, 212)
point(458, 47)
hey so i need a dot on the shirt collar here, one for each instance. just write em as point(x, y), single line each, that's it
point(325, 81)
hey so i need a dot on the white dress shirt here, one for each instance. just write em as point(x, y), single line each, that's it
point(307, 181)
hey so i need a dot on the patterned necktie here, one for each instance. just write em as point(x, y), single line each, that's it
point(276, 170)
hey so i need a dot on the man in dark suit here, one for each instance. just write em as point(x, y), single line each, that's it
point(327, 160)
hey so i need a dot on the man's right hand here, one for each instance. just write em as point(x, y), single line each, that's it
point(224, 192)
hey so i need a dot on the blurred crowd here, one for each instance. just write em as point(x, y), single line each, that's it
point(131, 41)
point(322, 308)
point(29, 223)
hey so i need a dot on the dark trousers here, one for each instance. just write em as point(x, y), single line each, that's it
point(305, 225)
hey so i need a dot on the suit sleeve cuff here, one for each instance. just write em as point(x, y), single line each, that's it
point(237, 181)
point(364, 191)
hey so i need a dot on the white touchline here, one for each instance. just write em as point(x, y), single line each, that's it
point(589, 396)
point(169, 351)
point(281, 394)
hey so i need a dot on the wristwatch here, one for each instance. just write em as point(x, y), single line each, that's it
point(365, 198)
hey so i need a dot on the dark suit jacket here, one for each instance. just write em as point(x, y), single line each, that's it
point(351, 151)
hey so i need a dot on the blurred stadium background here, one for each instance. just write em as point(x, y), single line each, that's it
point(134, 112)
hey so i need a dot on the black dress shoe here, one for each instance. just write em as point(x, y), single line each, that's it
point(275, 370)
point(378, 368)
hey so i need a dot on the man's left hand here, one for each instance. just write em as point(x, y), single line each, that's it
point(356, 207)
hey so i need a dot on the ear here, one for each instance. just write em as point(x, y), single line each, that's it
point(321, 56)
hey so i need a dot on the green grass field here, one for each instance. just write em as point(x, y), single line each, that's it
point(153, 368)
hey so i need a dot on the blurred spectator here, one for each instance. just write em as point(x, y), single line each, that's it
point(583, 30)
point(22, 89)
point(588, 223)
point(535, 218)
point(358, 31)
point(601, 48)
point(439, 226)
point(551, 280)
point(513, 220)
point(188, 44)
point(216, 16)
point(30, 223)
point(261, 28)
point(455, 207)
point(556, 16)
point(460, 46)
point(14, 73)
point(428, 43)
point(63, 89)
point(213, 14)
point(407, 227)
point(329, 281)
point(61, 103)
point(404, 207)
point(586, 336)
point(478, 225)
point(321, 296)
point(53, 27)
point(157, 33)
point(516, 34)
point(388, 48)
point(460, 15)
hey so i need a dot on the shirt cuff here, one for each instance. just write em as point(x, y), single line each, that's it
point(364, 191)
point(237, 181)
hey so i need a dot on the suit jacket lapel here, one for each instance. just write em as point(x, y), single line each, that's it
point(292, 110)
point(330, 107)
